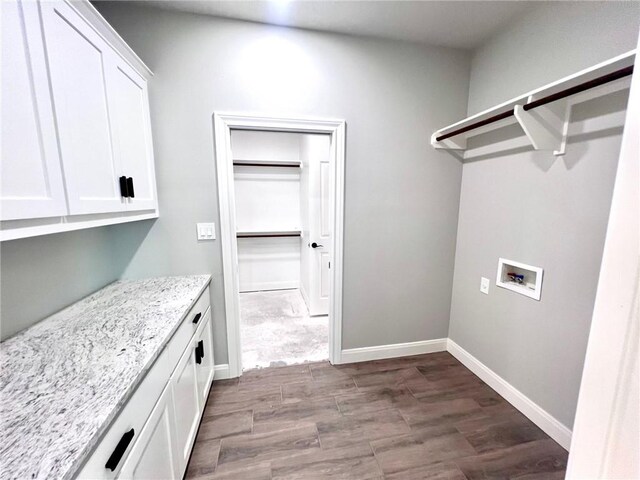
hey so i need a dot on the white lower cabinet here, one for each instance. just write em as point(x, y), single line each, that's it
point(187, 406)
point(205, 367)
point(153, 435)
point(153, 455)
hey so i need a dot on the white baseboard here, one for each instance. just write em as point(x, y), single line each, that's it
point(221, 372)
point(364, 354)
point(543, 419)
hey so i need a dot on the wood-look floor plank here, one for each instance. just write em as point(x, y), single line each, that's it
point(542, 457)
point(261, 398)
point(226, 424)
point(373, 400)
point(499, 430)
point(204, 458)
point(304, 391)
point(442, 413)
point(356, 462)
point(227, 385)
point(439, 471)
point(244, 450)
point(320, 409)
point(420, 448)
point(354, 429)
point(388, 378)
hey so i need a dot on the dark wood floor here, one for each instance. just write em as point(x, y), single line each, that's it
point(408, 418)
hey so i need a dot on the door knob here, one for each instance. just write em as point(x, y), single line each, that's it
point(315, 245)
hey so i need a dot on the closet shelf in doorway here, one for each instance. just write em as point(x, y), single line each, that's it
point(283, 233)
point(544, 112)
point(262, 163)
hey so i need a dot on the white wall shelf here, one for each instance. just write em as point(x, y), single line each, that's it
point(545, 126)
point(282, 233)
point(520, 278)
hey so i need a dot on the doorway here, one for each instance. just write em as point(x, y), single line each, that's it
point(281, 188)
point(281, 218)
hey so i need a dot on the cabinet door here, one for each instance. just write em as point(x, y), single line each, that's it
point(153, 456)
point(186, 404)
point(78, 60)
point(31, 183)
point(205, 367)
point(129, 107)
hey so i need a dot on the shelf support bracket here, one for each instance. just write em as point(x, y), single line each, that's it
point(454, 143)
point(547, 126)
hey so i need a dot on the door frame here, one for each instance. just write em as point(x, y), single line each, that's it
point(223, 123)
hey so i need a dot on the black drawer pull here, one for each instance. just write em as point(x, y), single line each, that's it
point(118, 452)
point(130, 187)
point(123, 187)
point(196, 319)
point(200, 352)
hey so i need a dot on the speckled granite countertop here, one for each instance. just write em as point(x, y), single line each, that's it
point(64, 380)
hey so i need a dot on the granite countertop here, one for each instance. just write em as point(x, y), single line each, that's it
point(64, 380)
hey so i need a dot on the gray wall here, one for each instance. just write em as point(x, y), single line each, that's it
point(535, 208)
point(550, 41)
point(41, 275)
point(401, 195)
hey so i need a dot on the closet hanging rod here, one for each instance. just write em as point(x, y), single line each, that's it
point(596, 82)
point(267, 234)
point(265, 164)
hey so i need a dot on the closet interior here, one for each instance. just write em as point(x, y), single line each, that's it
point(283, 219)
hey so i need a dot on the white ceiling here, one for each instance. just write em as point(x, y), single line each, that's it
point(460, 24)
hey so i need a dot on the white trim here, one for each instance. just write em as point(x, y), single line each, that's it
point(100, 25)
point(394, 350)
point(15, 229)
point(223, 123)
point(543, 419)
point(221, 372)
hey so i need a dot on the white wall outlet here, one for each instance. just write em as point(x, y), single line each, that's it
point(206, 231)
point(484, 285)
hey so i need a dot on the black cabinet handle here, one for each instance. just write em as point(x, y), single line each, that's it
point(196, 319)
point(118, 452)
point(124, 191)
point(200, 352)
point(130, 187)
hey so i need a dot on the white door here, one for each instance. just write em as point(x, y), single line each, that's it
point(204, 360)
point(78, 62)
point(154, 456)
point(316, 158)
point(184, 383)
point(129, 110)
point(31, 182)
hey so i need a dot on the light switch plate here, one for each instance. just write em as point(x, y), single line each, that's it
point(484, 285)
point(206, 231)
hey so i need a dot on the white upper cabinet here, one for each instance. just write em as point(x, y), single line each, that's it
point(132, 134)
point(31, 183)
point(77, 149)
point(78, 60)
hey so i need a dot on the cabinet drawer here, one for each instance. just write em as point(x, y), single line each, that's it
point(133, 416)
point(187, 328)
